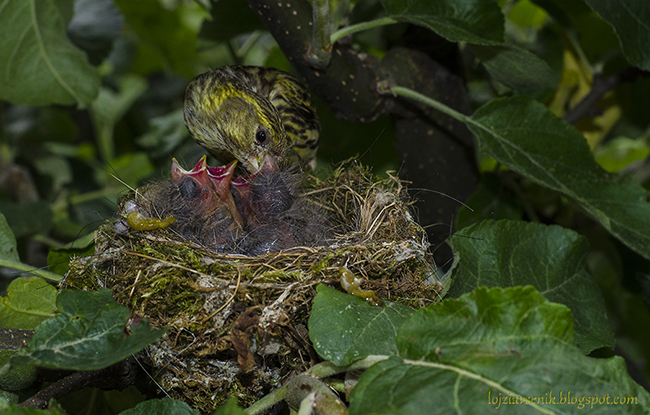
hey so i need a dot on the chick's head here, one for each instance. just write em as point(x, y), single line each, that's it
point(202, 194)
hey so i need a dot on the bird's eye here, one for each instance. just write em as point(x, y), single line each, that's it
point(262, 136)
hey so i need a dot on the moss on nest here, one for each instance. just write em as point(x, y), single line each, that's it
point(238, 324)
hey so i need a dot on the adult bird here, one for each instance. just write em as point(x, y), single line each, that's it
point(246, 112)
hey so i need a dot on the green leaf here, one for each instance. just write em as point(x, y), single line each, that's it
point(111, 106)
point(57, 168)
point(27, 218)
point(473, 21)
point(362, 329)
point(487, 318)
point(16, 378)
point(96, 24)
point(29, 301)
point(15, 409)
point(87, 334)
point(230, 19)
point(164, 406)
point(517, 68)
point(9, 254)
point(165, 133)
point(550, 258)
point(463, 356)
point(8, 249)
point(618, 153)
point(526, 14)
point(58, 260)
point(631, 21)
point(165, 40)
point(38, 63)
point(526, 137)
point(230, 408)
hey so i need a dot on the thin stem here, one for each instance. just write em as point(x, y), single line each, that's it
point(575, 43)
point(326, 369)
point(248, 44)
point(599, 87)
point(35, 271)
point(321, 46)
point(321, 370)
point(95, 195)
point(105, 138)
point(322, 25)
point(267, 402)
point(336, 384)
point(359, 27)
point(50, 242)
point(409, 93)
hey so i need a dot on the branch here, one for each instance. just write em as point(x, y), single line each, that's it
point(347, 84)
point(14, 339)
point(320, 53)
point(118, 376)
point(600, 87)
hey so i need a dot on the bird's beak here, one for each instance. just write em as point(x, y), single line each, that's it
point(220, 177)
point(262, 163)
point(255, 162)
point(178, 173)
point(268, 164)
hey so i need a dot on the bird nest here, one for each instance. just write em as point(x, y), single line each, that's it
point(238, 324)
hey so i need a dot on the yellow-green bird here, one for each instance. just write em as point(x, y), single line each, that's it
point(247, 112)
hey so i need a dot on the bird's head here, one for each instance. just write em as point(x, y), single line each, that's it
point(234, 123)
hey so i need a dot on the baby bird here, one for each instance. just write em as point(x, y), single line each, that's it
point(206, 191)
point(276, 216)
point(251, 215)
point(200, 203)
point(203, 206)
point(244, 112)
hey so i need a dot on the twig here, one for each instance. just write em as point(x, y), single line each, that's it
point(232, 297)
point(117, 376)
point(600, 87)
point(346, 31)
point(28, 268)
point(267, 402)
point(14, 339)
point(320, 51)
point(171, 264)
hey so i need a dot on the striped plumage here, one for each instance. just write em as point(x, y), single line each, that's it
point(243, 112)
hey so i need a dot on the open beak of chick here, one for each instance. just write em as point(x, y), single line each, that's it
point(221, 178)
point(208, 186)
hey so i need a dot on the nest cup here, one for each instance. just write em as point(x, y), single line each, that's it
point(238, 324)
